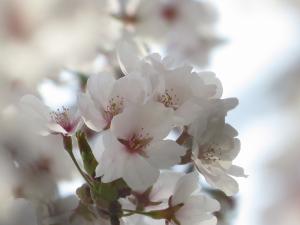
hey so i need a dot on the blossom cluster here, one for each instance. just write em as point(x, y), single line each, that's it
point(144, 123)
point(138, 115)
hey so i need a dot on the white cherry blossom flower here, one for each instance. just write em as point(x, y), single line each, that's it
point(215, 147)
point(107, 97)
point(181, 88)
point(62, 121)
point(135, 149)
point(190, 207)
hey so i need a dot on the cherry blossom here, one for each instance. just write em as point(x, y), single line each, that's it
point(182, 89)
point(190, 207)
point(215, 147)
point(107, 97)
point(135, 149)
point(60, 121)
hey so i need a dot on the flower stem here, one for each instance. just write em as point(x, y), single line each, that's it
point(79, 169)
point(131, 212)
point(69, 148)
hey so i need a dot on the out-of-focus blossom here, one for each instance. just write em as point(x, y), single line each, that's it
point(20, 211)
point(43, 38)
point(63, 121)
point(166, 23)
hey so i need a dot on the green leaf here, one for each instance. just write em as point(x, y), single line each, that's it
point(105, 191)
point(88, 158)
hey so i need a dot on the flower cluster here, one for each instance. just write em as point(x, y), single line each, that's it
point(153, 118)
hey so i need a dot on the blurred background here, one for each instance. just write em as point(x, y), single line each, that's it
point(50, 47)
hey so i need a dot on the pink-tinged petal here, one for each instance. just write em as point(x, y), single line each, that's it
point(133, 89)
point(164, 154)
point(113, 160)
point(185, 187)
point(151, 119)
point(139, 174)
point(92, 117)
point(126, 123)
point(99, 86)
point(56, 128)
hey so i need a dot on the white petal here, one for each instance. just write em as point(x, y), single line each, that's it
point(99, 87)
point(211, 79)
point(189, 111)
point(185, 187)
point(164, 154)
point(152, 118)
point(92, 117)
point(164, 187)
point(236, 171)
point(128, 56)
point(132, 88)
point(113, 160)
point(56, 128)
point(37, 106)
point(98, 146)
point(197, 209)
point(36, 113)
point(139, 174)
point(220, 180)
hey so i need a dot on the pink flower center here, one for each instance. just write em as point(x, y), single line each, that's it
point(114, 107)
point(62, 117)
point(137, 143)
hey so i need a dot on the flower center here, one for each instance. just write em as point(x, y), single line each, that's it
point(62, 117)
point(210, 153)
point(169, 99)
point(114, 107)
point(137, 143)
point(169, 13)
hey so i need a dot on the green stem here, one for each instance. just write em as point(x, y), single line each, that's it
point(79, 169)
point(67, 140)
point(131, 212)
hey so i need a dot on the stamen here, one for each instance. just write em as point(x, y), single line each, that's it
point(210, 154)
point(169, 99)
point(137, 143)
point(114, 107)
point(62, 117)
